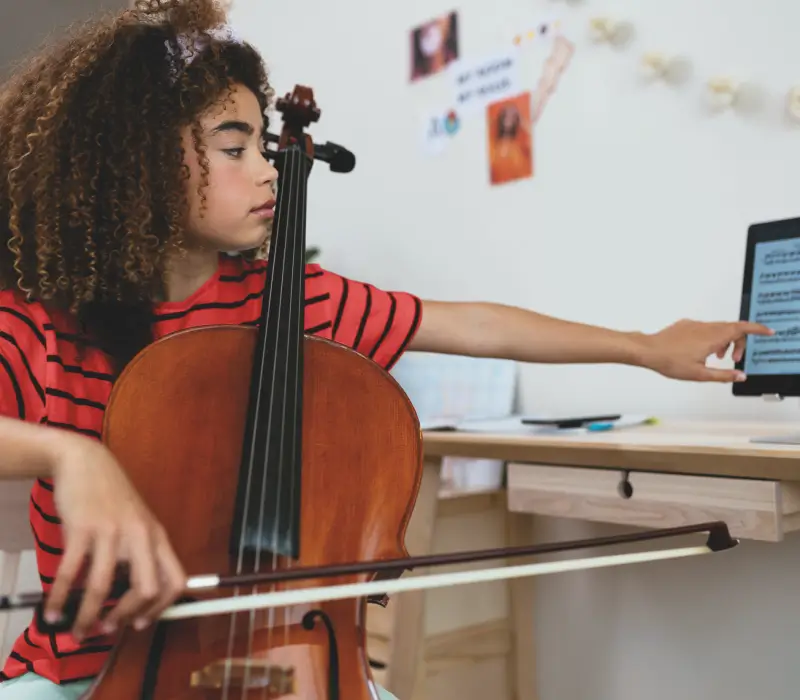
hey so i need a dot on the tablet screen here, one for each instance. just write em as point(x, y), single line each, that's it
point(771, 296)
point(775, 302)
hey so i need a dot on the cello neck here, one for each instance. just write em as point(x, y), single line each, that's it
point(267, 517)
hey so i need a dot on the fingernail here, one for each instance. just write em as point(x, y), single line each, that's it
point(108, 628)
point(140, 624)
point(52, 618)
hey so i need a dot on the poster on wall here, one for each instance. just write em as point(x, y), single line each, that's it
point(439, 129)
point(434, 46)
point(554, 67)
point(482, 81)
point(510, 139)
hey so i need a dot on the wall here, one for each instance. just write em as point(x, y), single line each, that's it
point(637, 217)
point(21, 32)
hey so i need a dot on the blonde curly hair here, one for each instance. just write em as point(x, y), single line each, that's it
point(93, 197)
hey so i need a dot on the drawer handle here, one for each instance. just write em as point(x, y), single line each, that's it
point(625, 487)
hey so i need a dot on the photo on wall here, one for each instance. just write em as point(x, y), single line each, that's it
point(510, 139)
point(434, 46)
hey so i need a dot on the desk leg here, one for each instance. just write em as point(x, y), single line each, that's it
point(522, 660)
point(406, 663)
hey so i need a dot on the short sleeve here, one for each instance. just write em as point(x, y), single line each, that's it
point(23, 362)
point(376, 323)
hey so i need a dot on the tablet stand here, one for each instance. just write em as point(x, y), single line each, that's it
point(788, 439)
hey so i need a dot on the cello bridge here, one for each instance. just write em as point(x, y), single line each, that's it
point(246, 674)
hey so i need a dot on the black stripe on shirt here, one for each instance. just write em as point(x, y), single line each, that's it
point(16, 387)
point(386, 328)
point(58, 393)
point(242, 276)
point(409, 335)
point(80, 651)
point(55, 551)
point(364, 317)
point(160, 318)
point(27, 637)
point(19, 657)
point(49, 518)
point(27, 321)
point(317, 299)
point(38, 387)
point(342, 305)
point(75, 369)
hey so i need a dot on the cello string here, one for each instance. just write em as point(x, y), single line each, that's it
point(299, 250)
point(289, 252)
point(273, 281)
point(277, 271)
point(295, 306)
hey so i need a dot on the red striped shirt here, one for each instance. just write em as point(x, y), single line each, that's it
point(42, 379)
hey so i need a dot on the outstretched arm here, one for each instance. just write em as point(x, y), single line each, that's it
point(679, 351)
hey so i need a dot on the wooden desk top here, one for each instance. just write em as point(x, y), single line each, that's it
point(678, 447)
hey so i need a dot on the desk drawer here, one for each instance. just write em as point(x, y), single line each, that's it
point(752, 509)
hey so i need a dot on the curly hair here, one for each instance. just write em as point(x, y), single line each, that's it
point(93, 195)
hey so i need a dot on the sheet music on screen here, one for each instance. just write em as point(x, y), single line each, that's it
point(775, 302)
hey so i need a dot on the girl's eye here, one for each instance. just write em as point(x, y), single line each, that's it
point(234, 152)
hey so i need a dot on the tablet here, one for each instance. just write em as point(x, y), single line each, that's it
point(771, 295)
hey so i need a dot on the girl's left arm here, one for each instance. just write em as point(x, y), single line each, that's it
point(679, 351)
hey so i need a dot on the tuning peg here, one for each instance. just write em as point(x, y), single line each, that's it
point(726, 93)
point(615, 33)
point(673, 70)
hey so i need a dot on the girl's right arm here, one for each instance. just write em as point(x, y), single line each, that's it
point(104, 520)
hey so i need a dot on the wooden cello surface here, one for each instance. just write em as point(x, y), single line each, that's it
point(259, 450)
point(361, 472)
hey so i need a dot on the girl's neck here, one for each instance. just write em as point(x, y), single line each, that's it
point(187, 274)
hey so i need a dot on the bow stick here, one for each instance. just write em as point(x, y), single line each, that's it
point(719, 539)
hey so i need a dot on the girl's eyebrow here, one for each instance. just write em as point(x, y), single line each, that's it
point(234, 125)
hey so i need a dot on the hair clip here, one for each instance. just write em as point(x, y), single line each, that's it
point(191, 45)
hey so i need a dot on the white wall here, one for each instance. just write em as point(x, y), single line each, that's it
point(637, 217)
point(639, 209)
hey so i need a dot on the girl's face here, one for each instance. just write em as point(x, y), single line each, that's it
point(234, 210)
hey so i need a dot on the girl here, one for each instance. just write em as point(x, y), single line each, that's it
point(131, 164)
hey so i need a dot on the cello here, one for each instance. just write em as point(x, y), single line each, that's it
point(285, 468)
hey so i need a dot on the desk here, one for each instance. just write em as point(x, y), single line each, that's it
point(443, 644)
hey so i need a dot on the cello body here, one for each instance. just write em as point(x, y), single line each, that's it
point(176, 417)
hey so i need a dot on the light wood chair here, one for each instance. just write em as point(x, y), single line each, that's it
point(15, 540)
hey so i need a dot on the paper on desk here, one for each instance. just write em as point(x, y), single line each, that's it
point(514, 425)
point(447, 390)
